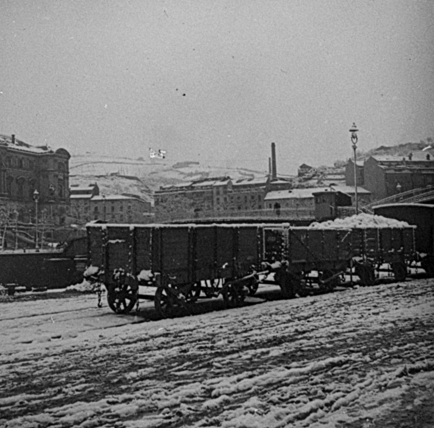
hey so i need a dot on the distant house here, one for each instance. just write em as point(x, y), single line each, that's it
point(349, 173)
point(212, 196)
point(87, 204)
point(386, 176)
point(304, 170)
point(305, 198)
point(290, 199)
point(119, 208)
point(77, 190)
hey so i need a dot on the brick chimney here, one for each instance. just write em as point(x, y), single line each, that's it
point(273, 162)
point(13, 139)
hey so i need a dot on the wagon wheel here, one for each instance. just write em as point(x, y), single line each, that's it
point(289, 284)
point(163, 302)
point(233, 295)
point(366, 273)
point(328, 281)
point(399, 271)
point(121, 298)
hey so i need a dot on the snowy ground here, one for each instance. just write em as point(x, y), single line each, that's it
point(356, 358)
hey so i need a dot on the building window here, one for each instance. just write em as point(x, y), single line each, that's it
point(20, 189)
point(9, 185)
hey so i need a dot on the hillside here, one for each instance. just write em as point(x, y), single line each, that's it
point(142, 177)
point(401, 149)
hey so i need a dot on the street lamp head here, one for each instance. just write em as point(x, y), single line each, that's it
point(353, 131)
point(35, 195)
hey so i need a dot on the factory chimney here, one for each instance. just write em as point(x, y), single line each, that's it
point(273, 162)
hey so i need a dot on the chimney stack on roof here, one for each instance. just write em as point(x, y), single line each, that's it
point(273, 162)
point(13, 139)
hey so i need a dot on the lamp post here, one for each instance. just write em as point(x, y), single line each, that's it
point(354, 140)
point(104, 207)
point(36, 199)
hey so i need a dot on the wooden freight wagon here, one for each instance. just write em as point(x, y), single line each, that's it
point(305, 258)
point(421, 216)
point(182, 262)
point(317, 258)
point(373, 247)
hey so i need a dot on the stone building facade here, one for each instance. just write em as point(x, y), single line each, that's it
point(33, 176)
point(388, 176)
point(86, 204)
point(210, 196)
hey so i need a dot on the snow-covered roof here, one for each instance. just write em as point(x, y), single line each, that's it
point(77, 187)
point(349, 189)
point(290, 194)
point(307, 193)
point(251, 181)
point(113, 198)
point(416, 156)
point(279, 181)
point(80, 196)
point(6, 141)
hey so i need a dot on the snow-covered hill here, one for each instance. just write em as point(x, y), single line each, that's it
point(143, 176)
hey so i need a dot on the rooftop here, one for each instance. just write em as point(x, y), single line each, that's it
point(7, 141)
point(307, 193)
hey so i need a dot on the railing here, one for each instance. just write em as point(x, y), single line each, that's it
point(420, 198)
point(265, 214)
point(414, 195)
point(20, 236)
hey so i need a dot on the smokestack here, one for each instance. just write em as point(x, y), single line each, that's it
point(273, 162)
point(269, 168)
point(13, 138)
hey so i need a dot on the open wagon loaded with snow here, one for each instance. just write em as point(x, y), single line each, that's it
point(316, 258)
point(182, 263)
point(377, 244)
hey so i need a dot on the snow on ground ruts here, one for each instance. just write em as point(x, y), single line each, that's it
point(356, 358)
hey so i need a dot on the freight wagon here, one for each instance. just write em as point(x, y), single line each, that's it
point(181, 262)
point(44, 269)
point(421, 216)
point(184, 263)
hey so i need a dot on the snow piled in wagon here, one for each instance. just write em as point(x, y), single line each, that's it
point(362, 220)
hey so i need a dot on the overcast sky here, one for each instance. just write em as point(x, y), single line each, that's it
point(217, 81)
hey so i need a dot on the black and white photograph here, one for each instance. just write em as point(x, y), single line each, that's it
point(216, 214)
